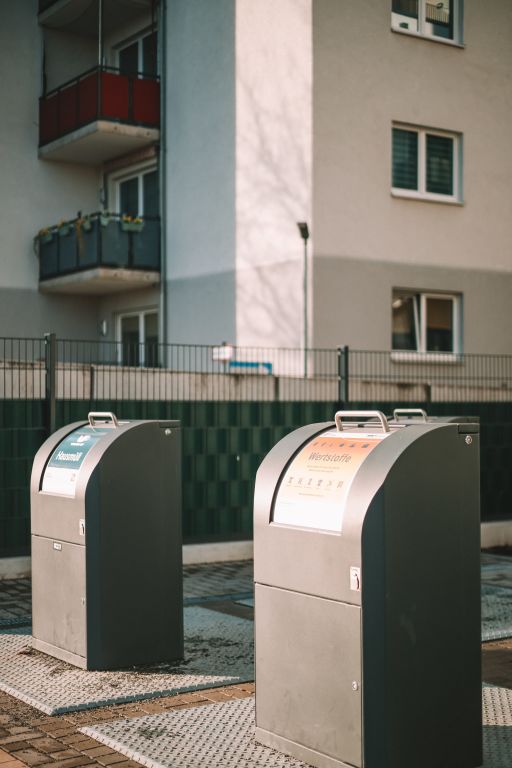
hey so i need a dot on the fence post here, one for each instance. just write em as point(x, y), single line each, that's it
point(343, 375)
point(50, 364)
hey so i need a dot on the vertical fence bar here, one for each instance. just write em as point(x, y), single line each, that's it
point(50, 341)
point(343, 374)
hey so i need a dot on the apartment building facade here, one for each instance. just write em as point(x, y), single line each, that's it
point(157, 156)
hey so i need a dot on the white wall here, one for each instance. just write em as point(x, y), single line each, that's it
point(273, 167)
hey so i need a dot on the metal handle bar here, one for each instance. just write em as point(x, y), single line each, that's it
point(409, 412)
point(104, 416)
point(361, 415)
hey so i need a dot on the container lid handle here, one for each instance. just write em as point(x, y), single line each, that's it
point(409, 412)
point(340, 415)
point(102, 416)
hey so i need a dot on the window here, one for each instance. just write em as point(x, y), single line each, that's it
point(426, 163)
point(138, 339)
point(137, 193)
point(438, 20)
point(139, 56)
point(426, 322)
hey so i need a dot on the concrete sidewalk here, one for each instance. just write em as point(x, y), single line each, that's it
point(152, 729)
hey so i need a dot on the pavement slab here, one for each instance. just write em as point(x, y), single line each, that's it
point(218, 651)
point(214, 735)
point(496, 612)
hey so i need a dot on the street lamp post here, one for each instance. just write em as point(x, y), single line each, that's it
point(304, 233)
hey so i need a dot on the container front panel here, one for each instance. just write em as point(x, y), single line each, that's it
point(308, 671)
point(58, 594)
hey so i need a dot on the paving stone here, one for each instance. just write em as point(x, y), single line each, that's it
point(9, 739)
point(31, 757)
point(15, 746)
point(72, 762)
point(63, 754)
point(111, 759)
point(97, 751)
point(46, 744)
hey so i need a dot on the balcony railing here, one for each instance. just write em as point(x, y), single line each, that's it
point(99, 240)
point(101, 93)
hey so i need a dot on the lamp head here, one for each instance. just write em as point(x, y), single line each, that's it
point(303, 229)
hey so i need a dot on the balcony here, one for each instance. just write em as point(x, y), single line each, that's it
point(98, 116)
point(99, 254)
point(80, 17)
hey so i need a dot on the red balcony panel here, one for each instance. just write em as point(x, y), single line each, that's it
point(146, 102)
point(99, 94)
point(68, 109)
point(88, 99)
point(48, 119)
point(114, 96)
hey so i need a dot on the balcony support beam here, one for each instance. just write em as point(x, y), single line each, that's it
point(97, 142)
point(101, 281)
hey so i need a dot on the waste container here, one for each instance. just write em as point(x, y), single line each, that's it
point(367, 594)
point(418, 414)
point(106, 543)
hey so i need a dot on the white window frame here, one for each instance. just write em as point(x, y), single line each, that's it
point(421, 193)
point(423, 25)
point(115, 180)
point(421, 354)
point(138, 38)
point(141, 315)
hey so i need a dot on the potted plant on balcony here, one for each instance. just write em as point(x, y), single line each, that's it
point(105, 218)
point(83, 223)
point(132, 224)
point(45, 235)
point(64, 228)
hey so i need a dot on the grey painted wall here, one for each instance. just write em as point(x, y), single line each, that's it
point(29, 314)
point(352, 300)
point(34, 193)
point(113, 305)
point(200, 166)
point(201, 308)
point(364, 77)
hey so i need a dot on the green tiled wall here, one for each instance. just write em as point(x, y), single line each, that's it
point(21, 433)
point(223, 445)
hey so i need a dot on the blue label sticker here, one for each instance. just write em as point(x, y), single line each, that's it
point(71, 452)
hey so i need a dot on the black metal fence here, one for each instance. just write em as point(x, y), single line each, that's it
point(62, 369)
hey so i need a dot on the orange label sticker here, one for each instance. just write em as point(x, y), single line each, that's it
point(314, 488)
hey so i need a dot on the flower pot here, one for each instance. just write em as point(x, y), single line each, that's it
point(132, 226)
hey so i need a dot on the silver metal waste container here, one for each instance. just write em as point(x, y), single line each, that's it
point(367, 594)
point(419, 414)
point(106, 543)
